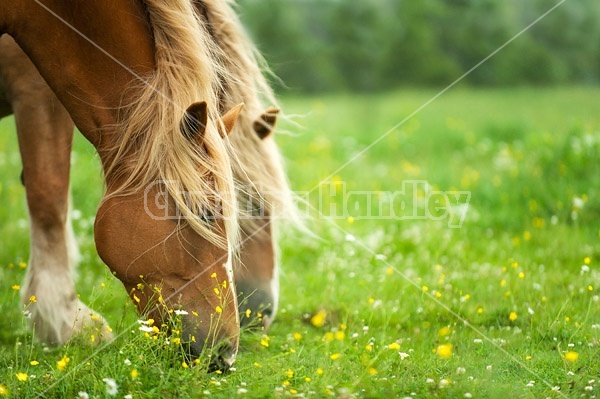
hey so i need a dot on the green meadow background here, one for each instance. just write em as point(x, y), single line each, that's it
point(504, 305)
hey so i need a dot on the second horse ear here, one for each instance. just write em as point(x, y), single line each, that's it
point(228, 120)
point(265, 125)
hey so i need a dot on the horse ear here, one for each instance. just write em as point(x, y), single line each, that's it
point(194, 121)
point(265, 125)
point(229, 120)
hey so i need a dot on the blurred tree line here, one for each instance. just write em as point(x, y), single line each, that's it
point(327, 45)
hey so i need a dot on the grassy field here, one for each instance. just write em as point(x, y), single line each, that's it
point(497, 299)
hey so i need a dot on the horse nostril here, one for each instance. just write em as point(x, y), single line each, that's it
point(223, 358)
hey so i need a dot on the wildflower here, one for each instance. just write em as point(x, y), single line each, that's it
point(571, 356)
point(22, 265)
point(372, 371)
point(512, 316)
point(214, 275)
point(403, 355)
point(134, 374)
point(146, 329)
point(16, 287)
point(111, 386)
point(22, 377)
point(340, 335)
point(334, 356)
point(219, 309)
point(394, 346)
point(128, 396)
point(318, 320)
point(289, 373)
point(62, 363)
point(297, 336)
point(320, 371)
point(34, 362)
point(444, 331)
point(83, 395)
point(444, 351)
point(3, 390)
point(264, 341)
point(184, 365)
point(181, 312)
point(587, 260)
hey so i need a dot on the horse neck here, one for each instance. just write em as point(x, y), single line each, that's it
point(86, 57)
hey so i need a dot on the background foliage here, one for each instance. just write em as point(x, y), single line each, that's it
point(316, 45)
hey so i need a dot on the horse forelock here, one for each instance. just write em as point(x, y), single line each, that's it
point(151, 146)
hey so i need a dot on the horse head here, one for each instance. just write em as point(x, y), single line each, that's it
point(165, 265)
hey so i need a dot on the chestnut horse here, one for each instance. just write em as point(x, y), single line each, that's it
point(126, 77)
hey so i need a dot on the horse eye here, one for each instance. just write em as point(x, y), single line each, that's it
point(207, 216)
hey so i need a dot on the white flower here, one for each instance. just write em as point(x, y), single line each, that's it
point(83, 395)
point(403, 355)
point(488, 368)
point(461, 370)
point(127, 362)
point(477, 341)
point(530, 311)
point(430, 381)
point(147, 329)
point(556, 388)
point(589, 388)
point(128, 396)
point(242, 391)
point(181, 312)
point(111, 386)
point(468, 395)
point(585, 269)
point(530, 384)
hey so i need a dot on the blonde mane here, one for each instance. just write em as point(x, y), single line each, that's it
point(151, 145)
point(257, 164)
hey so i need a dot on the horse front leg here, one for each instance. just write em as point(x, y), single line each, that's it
point(45, 136)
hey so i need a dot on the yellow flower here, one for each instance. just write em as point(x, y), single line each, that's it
point(219, 309)
point(444, 331)
point(134, 374)
point(318, 320)
point(34, 362)
point(214, 275)
point(264, 341)
point(372, 371)
point(444, 351)
point(297, 336)
point(184, 365)
point(587, 260)
point(340, 335)
point(320, 371)
point(22, 265)
point(394, 346)
point(289, 373)
point(3, 390)
point(425, 288)
point(334, 356)
point(513, 316)
point(22, 377)
point(572, 356)
point(62, 363)
point(16, 287)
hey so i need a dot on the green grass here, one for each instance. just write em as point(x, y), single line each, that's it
point(381, 287)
